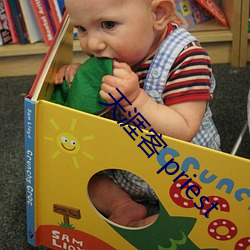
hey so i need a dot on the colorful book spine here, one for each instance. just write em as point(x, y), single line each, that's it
point(11, 21)
point(43, 20)
point(19, 21)
point(17, 14)
point(29, 133)
point(48, 11)
point(5, 35)
point(61, 6)
point(54, 13)
point(33, 30)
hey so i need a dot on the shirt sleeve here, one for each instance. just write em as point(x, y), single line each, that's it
point(190, 76)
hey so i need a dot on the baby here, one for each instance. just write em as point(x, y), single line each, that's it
point(161, 69)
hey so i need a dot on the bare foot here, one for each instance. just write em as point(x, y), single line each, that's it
point(128, 212)
point(143, 222)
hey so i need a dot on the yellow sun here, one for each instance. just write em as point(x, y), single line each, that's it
point(67, 143)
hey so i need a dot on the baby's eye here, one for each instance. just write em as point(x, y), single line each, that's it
point(81, 29)
point(108, 25)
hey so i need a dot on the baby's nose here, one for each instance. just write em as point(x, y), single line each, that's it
point(96, 44)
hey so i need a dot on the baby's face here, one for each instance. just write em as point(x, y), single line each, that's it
point(117, 29)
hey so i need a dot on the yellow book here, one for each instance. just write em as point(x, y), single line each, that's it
point(207, 208)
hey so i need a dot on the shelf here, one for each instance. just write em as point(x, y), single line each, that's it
point(26, 59)
point(223, 44)
point(28, 49)
point(212, 31)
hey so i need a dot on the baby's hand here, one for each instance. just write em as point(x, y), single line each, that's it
point(125, 80)
point(67, 72)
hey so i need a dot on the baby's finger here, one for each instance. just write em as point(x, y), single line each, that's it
point(71, 71)
point(60, 74)
point(112, 81)
point(67, 72)
point(121, 65)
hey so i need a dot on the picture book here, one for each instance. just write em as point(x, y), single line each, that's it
point(203, 193)
point(215, 10)
point(59, 54)
point(5, 35)
point(192, 13)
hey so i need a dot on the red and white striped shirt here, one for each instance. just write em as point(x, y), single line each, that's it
point(189, 77)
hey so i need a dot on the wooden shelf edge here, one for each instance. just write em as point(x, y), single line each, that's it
point(12, 50)
point(213, 36)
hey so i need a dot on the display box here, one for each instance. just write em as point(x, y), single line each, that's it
point(60, 214)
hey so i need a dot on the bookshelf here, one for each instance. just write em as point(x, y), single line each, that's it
point(223, 44)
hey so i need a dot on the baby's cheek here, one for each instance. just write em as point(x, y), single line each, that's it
point(131, 56)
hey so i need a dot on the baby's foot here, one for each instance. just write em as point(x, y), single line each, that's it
point(143, 222)
point(127, 213)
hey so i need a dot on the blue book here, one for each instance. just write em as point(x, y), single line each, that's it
point(61, 6)
point(29, 134)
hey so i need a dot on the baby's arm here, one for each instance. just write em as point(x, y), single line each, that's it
point(67, 72)
point(181, 121)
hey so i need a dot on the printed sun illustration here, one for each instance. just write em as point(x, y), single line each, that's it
point(67, 143)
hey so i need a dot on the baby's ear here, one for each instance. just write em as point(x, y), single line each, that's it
point(164, 11)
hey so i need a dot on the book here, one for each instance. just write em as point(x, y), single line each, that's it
point(215, 10)
point(19, 21)
point(56, 57)
point(43, 20)
point(60, 214)
point(61, 6)
point(51, 19)
point(5, 35)
point(192, 12)
point(33, 30)
point(55, 12)
point(11, 22)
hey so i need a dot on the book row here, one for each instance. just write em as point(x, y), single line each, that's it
point(29, 21)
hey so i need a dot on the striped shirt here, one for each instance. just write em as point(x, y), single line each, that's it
point(189, 77)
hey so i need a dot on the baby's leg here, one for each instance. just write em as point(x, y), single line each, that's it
point(114, 202)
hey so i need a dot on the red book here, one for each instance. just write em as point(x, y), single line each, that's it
point(11, 22)
point(43, 20)
point(54, 13)
point(214, 9)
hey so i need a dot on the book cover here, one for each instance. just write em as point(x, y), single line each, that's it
point(66, 218)
point(43, 21)
point(19, 21)
point(5, 35)
point(71, 146)
point(192, 12)
point(215, 10)
point(34, 34)
point(59, 54)
point(11, 22)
